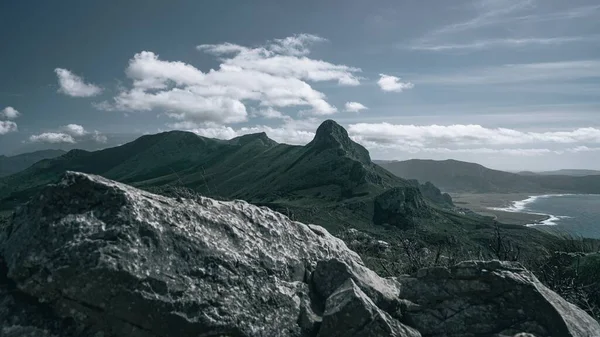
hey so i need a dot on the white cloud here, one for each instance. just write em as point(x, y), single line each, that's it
point(393, 83)
point(294, 45)
point(465, 135)
point(491, 18)
point(52, 137)
point(73, 85)
point(7, 127)
point(75, 130)
point(354, 107)
point(504, 42)
point(499, 16)
point(98, 137)
point(487, 11)
point(274, 76)
point(9, 113)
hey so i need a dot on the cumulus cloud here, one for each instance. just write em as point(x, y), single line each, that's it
point(272, 76)
point(393, 84)
point(75, 130)
point(70, 133)
point(52, 137)
point(98, 137)
point(9, 113)
point(73, 85)
point(354, 107)
point(7, 127)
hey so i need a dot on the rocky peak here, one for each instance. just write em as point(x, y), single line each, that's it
point(331, 135)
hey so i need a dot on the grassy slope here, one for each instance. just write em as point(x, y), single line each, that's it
point(457, 176)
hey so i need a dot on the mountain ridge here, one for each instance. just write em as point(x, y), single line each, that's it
point(329, 171)
point(465, 177)
point(13, 164)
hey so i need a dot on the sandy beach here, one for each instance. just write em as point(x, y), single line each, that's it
point(481, 203)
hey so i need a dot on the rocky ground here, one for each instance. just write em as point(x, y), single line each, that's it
point(92, 257)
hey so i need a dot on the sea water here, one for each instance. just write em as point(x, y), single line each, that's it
point(574, 214)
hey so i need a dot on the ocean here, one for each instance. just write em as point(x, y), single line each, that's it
point(574, 214)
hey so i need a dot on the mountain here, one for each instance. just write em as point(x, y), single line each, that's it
point(565, 172)
point(458, 176)
point(331, 171)
point(13, 164)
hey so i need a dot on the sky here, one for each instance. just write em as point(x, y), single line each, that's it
point(510, 84)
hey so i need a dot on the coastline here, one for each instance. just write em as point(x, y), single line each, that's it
point(504, 207)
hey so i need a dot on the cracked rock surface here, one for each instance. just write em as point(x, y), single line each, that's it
point(124, 262)
point(91, 257)
point(490, 298)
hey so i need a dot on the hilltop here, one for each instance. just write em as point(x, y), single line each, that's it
point(463, 177)
point(13, 164)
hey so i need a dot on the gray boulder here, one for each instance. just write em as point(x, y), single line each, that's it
point(476, 298)
point(349, 312)
point(117, 260)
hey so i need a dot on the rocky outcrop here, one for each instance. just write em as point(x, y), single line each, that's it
point(431, 192)
point(331, 135)
point(476, 298)
point(399, 207)
point(124, 262)
point(91, 257)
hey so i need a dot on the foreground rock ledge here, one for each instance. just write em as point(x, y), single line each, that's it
point(92, 257)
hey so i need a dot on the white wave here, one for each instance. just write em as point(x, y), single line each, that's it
point(520, 206)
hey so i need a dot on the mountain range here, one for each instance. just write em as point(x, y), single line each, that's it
point(463, 177)
point(563, 172)
point(331, 181)
point(331, 171)
point(13, 164)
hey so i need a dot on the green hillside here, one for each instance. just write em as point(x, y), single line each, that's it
point(13, 164)
point(462, 177)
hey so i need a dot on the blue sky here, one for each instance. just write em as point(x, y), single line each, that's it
point(511, 84)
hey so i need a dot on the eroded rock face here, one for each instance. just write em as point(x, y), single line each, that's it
point(494, 298)
point(349, 312)
point(399, 207)
point(129, 263)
